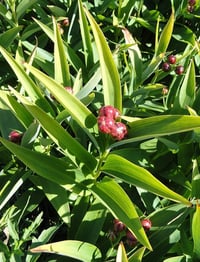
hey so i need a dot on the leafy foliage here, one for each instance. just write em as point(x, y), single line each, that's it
point(65, 181)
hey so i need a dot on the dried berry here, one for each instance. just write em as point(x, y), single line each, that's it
point(118, 226)
point(15, 137)
point(106, 124)
point(119, 131)
point(146, 223)
point(109, 111)
point(165, 91)
point(171, 59)
point(190, 8)
point(166, 67)
point(69, 89)
point(179, 70)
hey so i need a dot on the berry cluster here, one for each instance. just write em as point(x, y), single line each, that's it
point(191, 6)
point(15, 137)
point(169, 64)
point(120, 230)
point(107, 122)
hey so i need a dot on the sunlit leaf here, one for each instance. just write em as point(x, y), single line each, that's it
point(195, 232)
point(71, 248)
point(121, 253)
point(130, 173)
point(117, 201)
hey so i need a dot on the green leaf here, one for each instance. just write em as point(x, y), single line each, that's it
point(121, 253)
point(87, 45)
point(130, 173)
point(61, 67)
point(77, 110)
point(19, 111)
point(165, 36)
point(188, 87)
point(92, 222)
point(117, 201)
point(31, 88)
point(159, 126)
point(195, 233)
point(110, 75)
point(49, 167)
point(72, 248)
point(137, 255)
point(9, 36)
point(23, 6)
point(59, 135)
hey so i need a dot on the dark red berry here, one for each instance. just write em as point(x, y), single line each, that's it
point(109, 111)
point(118, 226)
point(106, 124)
point(191, 2)
point(171, 59)
point(179, 70)
point(15, 137)
point(146, 223)
point(131, 240)
point(119, 131)
point(166, 67)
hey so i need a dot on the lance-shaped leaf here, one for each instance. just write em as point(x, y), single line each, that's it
point(20, 112)
point(159, 126)
point(187, 91)
point(82, 251)
point(9, 36)
point(130, 173)
point(59, 135)
point(165, 36)
point(77, 110)
point(119, 204)
point(61, 67)
point(121, 253)
point(87, 45)
point(195, 233)
point(110, 75)
point(137, 255)
point(49, 167)
point(28, 84)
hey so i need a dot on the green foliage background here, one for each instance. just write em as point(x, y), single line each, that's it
point(63, 185)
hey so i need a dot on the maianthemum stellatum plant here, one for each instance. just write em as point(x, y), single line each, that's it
point(99, 131)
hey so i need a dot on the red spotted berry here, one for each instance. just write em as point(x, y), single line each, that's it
point(118, 226)
point(171, 59)
point(146, 223)
point(179, 70)
point(166, 67)
point(15, 137)
point(106, 124)
point(109, 111)
point(119, 131)
point(131, 240)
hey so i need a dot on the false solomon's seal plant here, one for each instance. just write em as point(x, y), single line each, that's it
point(77, 158)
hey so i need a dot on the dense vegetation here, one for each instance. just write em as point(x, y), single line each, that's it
point(99, 130)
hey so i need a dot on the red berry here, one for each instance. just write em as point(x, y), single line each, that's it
point(165, 91)
point(131, 240)
point(166, 67)
point(15, 137)
point(191, 2)
point(65, 22)
point(146, 223)
point(179, 70)
point(118, 226)
point(109, 111)
point(119, 131)
point(171, 59)
point(105, 124)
